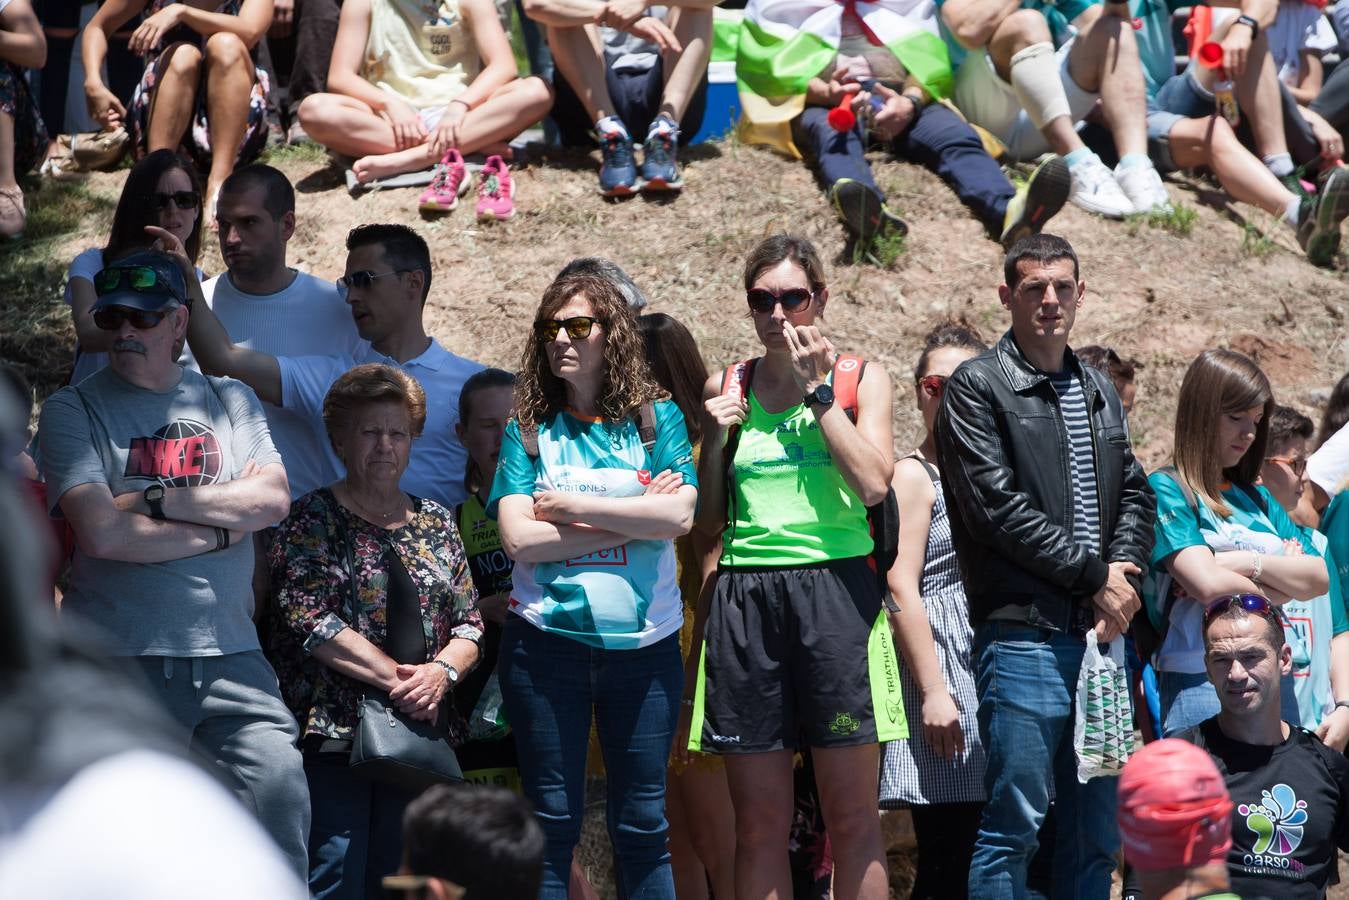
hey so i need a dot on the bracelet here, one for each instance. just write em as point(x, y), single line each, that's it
point(1257, 568)
point(1339, 703)
point(446, 666)
point(222, 538)
point(463, 103)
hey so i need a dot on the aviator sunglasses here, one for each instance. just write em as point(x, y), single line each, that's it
point(184, 200)
point(362, 280)
point(578, 328)
point(762, 300)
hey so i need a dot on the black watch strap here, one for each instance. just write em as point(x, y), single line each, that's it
point(154, 498)
point(1251, 23)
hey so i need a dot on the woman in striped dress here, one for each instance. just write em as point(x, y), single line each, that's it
point(938, 776)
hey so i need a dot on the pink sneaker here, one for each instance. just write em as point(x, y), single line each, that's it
point(446, 185)
point(495, 190)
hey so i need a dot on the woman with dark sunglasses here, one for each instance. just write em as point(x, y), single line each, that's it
point(162, 190)
point(794, 641)
point(1218, 532)
point(940, 776)
point(594, 481)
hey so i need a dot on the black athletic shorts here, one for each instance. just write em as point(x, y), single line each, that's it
point(636, 96)
point(796, 654)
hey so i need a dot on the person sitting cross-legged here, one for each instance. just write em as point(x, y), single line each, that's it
point(413, 84)
point(623, 69)
point(1038, 70)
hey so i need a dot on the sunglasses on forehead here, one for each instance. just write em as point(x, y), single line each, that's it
point(184, 200)
point(141, 279)
point(1252, 603)
point(577, 327)
point(762, 300)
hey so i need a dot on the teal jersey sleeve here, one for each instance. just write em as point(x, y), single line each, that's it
point(1335, 526)
point(515, 470)
point(1339, 615)
point(1177, 524)
point(673, 450)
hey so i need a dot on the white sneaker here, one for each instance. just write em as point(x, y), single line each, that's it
point(1143, 186)
point(1096, 191)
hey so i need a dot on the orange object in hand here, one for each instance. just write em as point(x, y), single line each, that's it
point(841, 117)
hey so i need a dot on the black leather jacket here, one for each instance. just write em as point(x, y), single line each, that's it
point(1006, 472)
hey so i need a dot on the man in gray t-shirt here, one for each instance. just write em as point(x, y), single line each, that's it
point(163, 474)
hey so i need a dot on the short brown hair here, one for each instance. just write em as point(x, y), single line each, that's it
point(1219, 383)
point(772, 250)
point(1287, 425)
point(368, 384)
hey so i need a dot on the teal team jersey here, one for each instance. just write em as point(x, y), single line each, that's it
point(1156, 50)
point(1257, 526)
point(621, 598)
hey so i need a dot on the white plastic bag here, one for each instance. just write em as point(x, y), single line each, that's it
point(1103, 731)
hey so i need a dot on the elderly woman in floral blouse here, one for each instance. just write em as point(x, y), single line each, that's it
point(415, 633)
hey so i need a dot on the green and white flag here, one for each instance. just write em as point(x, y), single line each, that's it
point(783, 44)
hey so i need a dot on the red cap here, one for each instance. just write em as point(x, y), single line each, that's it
point(1174, 811)
point(1211, 54)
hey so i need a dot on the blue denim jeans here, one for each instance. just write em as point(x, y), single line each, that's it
point(1026, 678)
point(551, 687)
point(356, 834)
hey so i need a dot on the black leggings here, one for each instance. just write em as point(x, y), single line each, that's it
point(946, 834)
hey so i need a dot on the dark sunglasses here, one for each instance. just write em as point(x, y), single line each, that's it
point(933, 385)
point(141, 279)
point(1297, 463)
point(1252, 603)
point(578, 328)
point(110, 318)
point(184, 200)
point(362, 280)
point(762, 300)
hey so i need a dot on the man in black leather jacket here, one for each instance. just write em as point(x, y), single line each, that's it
point(1052, 521)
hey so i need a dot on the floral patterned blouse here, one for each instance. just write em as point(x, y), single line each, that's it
point(311, 584)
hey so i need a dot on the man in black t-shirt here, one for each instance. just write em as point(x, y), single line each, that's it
point(1290, 792)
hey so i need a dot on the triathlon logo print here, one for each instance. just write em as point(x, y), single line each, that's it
point(845, 724)
point(1277, 821)
point(183, 453)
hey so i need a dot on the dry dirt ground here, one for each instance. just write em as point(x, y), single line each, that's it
point(1154, 295)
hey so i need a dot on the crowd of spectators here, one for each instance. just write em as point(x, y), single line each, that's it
point(285, 512)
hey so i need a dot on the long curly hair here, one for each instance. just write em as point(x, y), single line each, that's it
point(627, 384)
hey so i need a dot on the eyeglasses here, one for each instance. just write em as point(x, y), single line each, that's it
point(933, 385)
point(362, 280)
point(1298, 464)
point(184, 200)
point(1252, 603)
point(578, 328)
point(141, 279)
point(110, 318)
point(762, 300)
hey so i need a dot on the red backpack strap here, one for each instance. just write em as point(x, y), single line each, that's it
point(735, 379)
point(848, 371)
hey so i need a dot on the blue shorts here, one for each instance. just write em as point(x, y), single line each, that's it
point(1181, 97)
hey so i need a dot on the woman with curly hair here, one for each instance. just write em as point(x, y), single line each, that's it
point(595, 480)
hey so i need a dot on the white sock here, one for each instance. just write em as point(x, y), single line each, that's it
point(1035, 80)
point(1280, 164)
point(1290, 215)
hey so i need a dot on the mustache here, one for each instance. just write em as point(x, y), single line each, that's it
point(128, 346)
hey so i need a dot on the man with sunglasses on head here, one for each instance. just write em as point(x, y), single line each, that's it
point(1051, 518)
point(267, 306)
point(163, 474)
point(1291, 792)
point(387, 280)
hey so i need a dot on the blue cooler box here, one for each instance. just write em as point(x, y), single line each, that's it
point(723, 103)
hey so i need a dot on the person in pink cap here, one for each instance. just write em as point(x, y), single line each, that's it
point(1175, 823)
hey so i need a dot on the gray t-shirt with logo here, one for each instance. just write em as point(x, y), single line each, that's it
point(201, 432)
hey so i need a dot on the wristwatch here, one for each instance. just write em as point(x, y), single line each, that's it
point(823, 395)
point(450, 671)
point(1250, 23)
point(154, 498)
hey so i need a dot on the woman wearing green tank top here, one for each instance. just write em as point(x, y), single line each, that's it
point(795, 648)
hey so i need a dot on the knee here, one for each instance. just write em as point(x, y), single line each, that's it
point(1023, 28)
point(225, 49)
point(855, 827)
point(185, 62)
point(761, 828)
point(315, 112)
point(537, 94)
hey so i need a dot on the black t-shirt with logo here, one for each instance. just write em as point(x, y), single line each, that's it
point(1290, 811)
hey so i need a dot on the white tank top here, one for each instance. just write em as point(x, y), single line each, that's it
point(421, 50)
